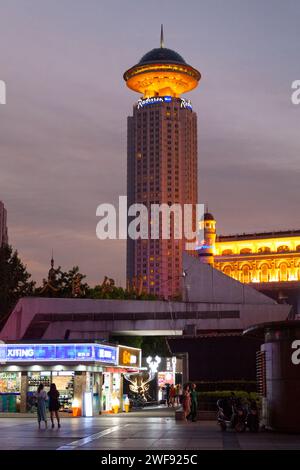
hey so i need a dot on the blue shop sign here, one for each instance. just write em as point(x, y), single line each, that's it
point(58, 353)
point(105, 354)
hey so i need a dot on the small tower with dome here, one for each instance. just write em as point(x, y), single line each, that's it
point(206, 247)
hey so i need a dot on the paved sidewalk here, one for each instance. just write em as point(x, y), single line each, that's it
point(136, 431)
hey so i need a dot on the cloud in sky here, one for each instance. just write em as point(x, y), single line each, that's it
point(63, 130)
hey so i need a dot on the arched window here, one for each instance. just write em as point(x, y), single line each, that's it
point(227, 271)
point(283, 272)
point(246, 274)
point(264, 273)
point(227, 252)
point(245, 251)
point(283, 249)
point(264, 249)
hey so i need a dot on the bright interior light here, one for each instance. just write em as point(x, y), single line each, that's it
point(88, 404)
point(75, 403)
point(115, 401)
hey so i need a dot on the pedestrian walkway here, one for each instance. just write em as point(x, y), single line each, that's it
point(137, 431)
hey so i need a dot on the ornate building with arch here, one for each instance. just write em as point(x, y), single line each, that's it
point(269, 261)
point(259, 257)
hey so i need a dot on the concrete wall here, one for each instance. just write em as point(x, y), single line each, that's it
point(203, 283)
point(59, 315)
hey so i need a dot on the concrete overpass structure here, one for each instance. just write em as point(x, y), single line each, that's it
point(213, 302)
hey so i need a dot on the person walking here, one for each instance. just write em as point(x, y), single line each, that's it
point(54, 404)
point(194, 403)
point(179, 394)
point(172, 395)
point(168, 394)
point(186, 401)
point(41, 398)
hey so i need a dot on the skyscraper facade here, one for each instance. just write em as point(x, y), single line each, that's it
point(161, 164)
point(3, 225)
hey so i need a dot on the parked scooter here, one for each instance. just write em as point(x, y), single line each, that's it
point(231, 414)
point(252, 420)
point(240, 413)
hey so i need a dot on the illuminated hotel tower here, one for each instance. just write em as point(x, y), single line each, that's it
point(161, 162)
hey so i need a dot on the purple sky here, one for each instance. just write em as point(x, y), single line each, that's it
point(63, 130)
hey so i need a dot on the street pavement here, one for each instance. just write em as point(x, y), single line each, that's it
point(149, 430)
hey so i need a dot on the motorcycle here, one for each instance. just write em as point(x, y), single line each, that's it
point(252, 420)
point(137, 402)
point(231, 415)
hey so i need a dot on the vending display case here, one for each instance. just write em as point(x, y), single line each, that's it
point(37, 378)
point(34, 379)
point(10, 385)
point(64, 382)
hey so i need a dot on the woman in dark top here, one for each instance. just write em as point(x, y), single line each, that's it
point(54, 404)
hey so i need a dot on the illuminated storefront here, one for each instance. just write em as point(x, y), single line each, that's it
point(129, 360)
point(88, 376)
point(169, 373)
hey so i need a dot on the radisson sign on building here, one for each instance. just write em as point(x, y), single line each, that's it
point(184, 103)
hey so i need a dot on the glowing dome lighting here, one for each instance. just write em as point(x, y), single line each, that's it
point(161, 72)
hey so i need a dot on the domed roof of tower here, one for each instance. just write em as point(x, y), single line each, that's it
point(208, 216)
point(162, 71)
point(162, 55)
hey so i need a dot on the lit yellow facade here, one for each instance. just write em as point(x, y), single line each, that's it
point(162, 79)
point(262, 259)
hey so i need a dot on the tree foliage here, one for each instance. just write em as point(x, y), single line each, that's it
point(14, 280)
point(150, 345)
point(63, 284)
point(73, 285)
point(114, 292)
point(15, 283)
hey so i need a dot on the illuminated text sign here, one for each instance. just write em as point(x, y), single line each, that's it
point(58, 353)
point(154, 100)
point(129, 357)
point(186, 104)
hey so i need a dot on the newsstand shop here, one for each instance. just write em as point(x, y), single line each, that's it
point(88, 376)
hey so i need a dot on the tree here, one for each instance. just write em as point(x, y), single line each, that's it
point(132, 341)
point(14, 280)
point(72, 284)
point(155, 345)
point(66, 284)
point(150, 345)
point(108, 290)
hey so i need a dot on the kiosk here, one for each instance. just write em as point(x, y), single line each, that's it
point(88, 376)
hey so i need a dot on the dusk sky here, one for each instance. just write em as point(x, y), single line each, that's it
point(63, 130)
